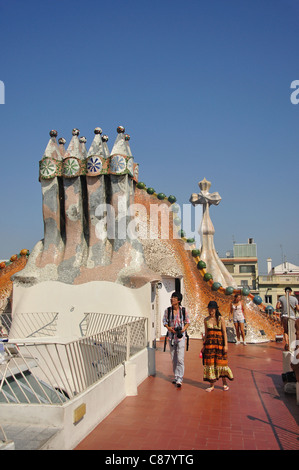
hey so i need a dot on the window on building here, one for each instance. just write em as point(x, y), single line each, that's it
point(230, 268)
point(244, 283)
point(247, 268)
point(268, 299)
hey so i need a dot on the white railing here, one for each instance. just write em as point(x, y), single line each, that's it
point(44, 372)
point(94, 322)
point(5, 443)
point(279, 279)
point(44, 324)
point(5, 323)
point(29, 325)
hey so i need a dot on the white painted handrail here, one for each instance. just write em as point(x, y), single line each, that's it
point(45, 372)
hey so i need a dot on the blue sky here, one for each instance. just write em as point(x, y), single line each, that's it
point(202, 87)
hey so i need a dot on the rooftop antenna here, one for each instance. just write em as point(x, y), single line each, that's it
point(281, 254)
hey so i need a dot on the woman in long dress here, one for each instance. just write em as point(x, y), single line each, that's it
point(214, 351)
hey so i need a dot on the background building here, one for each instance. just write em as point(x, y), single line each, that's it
point(242, 263)
point(272, 286)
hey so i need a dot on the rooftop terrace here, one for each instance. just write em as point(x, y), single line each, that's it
point(255, 414)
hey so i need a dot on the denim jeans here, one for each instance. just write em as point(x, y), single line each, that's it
point(177, 352)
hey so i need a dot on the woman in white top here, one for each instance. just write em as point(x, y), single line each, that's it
point(237, 312)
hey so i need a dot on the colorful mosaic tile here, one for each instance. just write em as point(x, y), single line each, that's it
point(71, 167)
point(49, 168)
point(94, 165)
point(121, 165)
point(106, 166)
point(135, 172)
point(118, 164)
point(130, 166)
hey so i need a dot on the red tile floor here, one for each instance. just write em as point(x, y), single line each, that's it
point(255, 414)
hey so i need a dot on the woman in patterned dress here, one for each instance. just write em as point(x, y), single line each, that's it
point(215, 349)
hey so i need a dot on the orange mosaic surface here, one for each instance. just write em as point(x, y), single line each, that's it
point(198, 292)
point(5, 275)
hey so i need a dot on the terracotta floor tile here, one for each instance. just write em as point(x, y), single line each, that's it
point(254, 414)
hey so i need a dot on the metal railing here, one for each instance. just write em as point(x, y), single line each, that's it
point(44, 324)
point(5, 323)
point(94, 322)
point(279, 279)
point(29, 325)
point(44, 372)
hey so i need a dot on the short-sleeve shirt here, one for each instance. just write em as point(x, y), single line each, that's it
point(176, 320)
point(284, 309)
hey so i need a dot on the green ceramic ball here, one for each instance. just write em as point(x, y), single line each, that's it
point(172, 199)
point(257, 300)
point(245, 291)
point(269, 309)
point(201, 265)
point(216, 285)
point(195, 253)
point(229, 290)
point(150, 190)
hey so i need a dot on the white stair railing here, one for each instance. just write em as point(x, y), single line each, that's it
point(45, 372)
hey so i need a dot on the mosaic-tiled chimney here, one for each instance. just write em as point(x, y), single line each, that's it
point(51, 194)
point(86, 201)
point(97, 164)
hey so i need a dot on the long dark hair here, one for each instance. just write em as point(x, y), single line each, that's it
point(218, 315)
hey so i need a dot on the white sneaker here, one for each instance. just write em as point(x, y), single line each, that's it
point(237, 342)
point(244, 342)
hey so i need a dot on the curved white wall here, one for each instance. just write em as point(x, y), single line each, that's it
point(72, 301)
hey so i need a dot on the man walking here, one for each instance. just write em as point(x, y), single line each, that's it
point(283, 303)
point(176, 320)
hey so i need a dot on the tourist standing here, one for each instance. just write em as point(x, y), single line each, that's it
point(238, 315)
point(215, 348)
point(295, 358)
point(282, 304)
point(176, 320)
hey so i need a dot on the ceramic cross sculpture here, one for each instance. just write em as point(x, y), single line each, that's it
point(206, 231)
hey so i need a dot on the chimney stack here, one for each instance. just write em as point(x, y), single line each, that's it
point(269, 265)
